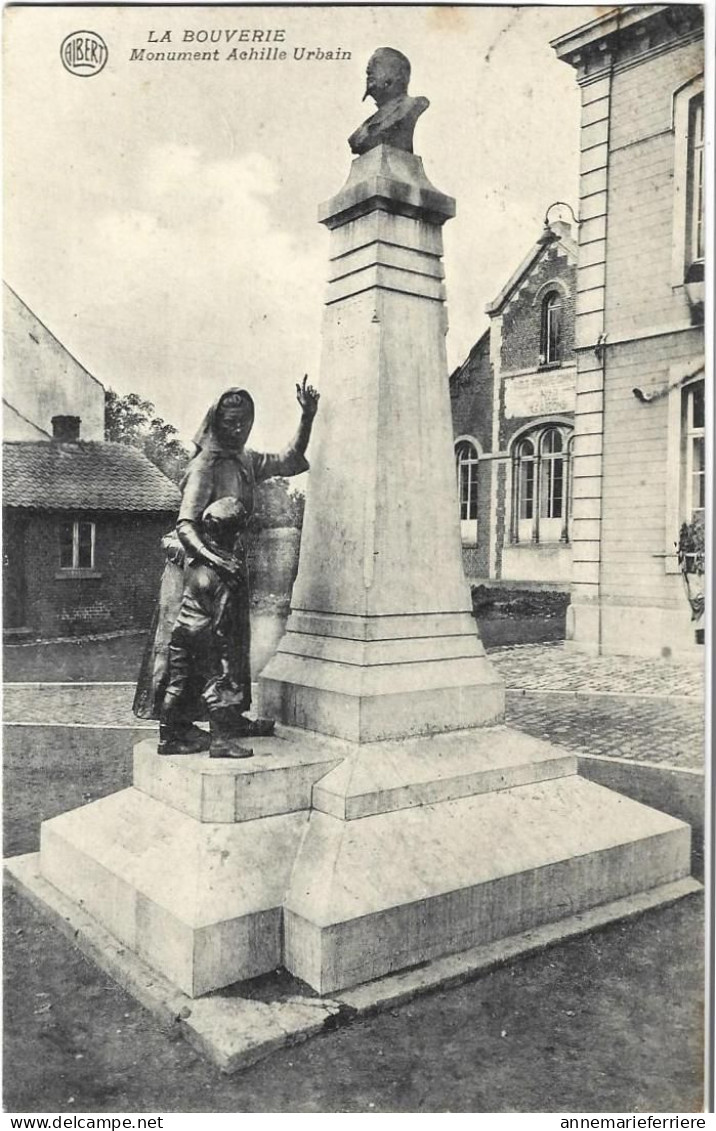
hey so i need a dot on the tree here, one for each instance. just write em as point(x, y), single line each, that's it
point(131, 420)
point(277, 504)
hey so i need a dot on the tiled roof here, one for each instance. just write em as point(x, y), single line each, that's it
point(87, 475)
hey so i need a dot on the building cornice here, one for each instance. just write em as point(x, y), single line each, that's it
point(627, 36)
point(588, 35)
point(639, 336)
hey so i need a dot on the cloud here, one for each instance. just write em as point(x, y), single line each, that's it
point(215, 291)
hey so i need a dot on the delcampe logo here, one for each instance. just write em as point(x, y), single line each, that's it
point(83, 53)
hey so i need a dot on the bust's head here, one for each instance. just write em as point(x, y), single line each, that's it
point(387, 75)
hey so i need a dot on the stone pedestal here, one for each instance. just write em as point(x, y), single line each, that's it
point(393, 821)
point(381, 641)
point(344, 863)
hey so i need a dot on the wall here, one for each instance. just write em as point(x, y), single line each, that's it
point(471, 402)
point(128, 561)
point(41, 379)
point(548, 394)
point(522, 319)
point(644, 607)
point(640, 293)
point(526, 393)
point(633, 331)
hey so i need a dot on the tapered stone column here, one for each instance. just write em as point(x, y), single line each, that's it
point(381, 641)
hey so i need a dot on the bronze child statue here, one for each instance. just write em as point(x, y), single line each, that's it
point(210, 619)
point(222, 467)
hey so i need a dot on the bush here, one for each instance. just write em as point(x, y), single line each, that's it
point(276, 504)
point(691, 547)
point(488, 602)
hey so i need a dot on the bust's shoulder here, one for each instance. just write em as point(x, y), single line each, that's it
point(408, 107)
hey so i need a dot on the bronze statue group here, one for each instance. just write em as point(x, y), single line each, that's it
point(197, 662)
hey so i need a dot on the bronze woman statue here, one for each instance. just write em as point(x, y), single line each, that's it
point(222, 467)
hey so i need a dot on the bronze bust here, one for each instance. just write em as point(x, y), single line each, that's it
point(387, 78)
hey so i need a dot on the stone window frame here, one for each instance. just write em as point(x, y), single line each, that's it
point(468, 526)
point(681, 375)
point(535, 432)
point(691, 434)
point(75, 569)
point(683, 100)
point(544, 292)
point(551, 329)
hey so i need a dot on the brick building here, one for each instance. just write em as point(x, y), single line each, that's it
point(82, 518)
point(513, 406)
point(638, 467)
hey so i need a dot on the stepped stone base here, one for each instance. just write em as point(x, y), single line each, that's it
point(234, 1028)
point(372, 896)
point(345, 863)
point(424, 673)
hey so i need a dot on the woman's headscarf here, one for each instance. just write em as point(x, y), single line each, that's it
point(207, 437)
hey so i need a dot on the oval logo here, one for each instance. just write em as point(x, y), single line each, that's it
point(83, 53)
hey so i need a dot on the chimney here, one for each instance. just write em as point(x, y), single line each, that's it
point(66, 429)
point(560, 228)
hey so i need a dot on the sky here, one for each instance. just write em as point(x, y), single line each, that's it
point(160, 217)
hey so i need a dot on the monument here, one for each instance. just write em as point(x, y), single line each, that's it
point(392, 818)
point(387, 78)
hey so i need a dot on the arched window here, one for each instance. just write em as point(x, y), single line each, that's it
point(552, 485)
point(526, 465)
point(551, 334)
point(687, 234)
point(540, 477)
point(466, 460)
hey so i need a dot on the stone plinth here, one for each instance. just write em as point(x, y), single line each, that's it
point(393, 821)
point(372, 896)
point(344, 862)
point(200, 902)
point(381, 642)
point(278, 780)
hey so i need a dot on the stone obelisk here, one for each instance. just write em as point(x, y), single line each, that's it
point(381, 642)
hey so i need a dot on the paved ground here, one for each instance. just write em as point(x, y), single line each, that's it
point(610, 1022)
point(644, 710)
point(646, 730)
point(558, 667)
point(118, 656)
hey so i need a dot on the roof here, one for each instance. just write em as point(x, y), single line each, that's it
point(87, 475)
point(484, 337)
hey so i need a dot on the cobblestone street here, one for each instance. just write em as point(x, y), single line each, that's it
point(558, 667)
point(642, 710)
point(648, 730)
